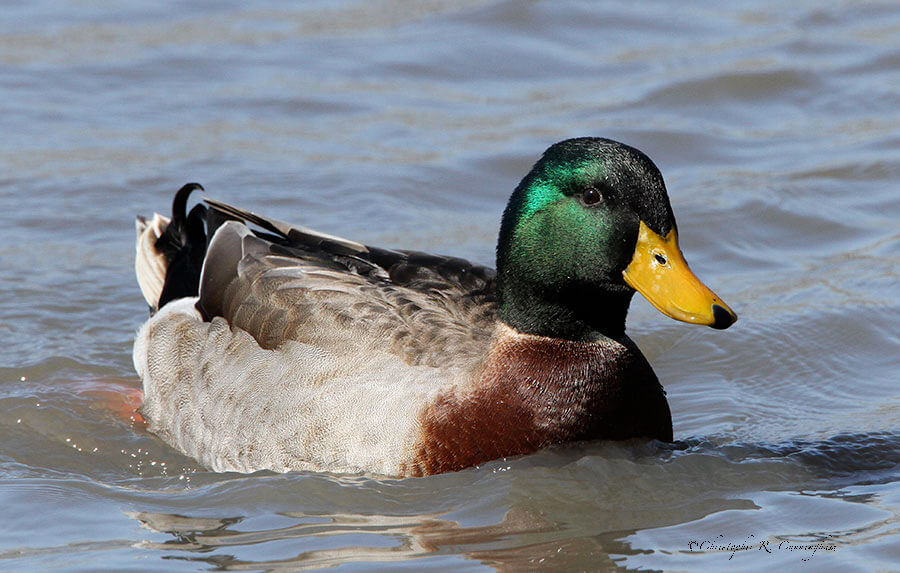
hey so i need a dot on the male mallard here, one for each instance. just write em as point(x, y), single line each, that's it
point(287, 349)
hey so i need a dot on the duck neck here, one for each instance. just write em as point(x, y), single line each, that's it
point(577, 312)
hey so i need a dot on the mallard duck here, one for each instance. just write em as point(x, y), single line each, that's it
point(282, 348)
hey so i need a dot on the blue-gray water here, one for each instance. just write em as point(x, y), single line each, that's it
point(407, 124)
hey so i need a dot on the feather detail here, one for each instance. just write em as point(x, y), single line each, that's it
point(279, 347)
point(149, 263)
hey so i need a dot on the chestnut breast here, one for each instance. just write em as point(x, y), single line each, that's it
point(533, 391)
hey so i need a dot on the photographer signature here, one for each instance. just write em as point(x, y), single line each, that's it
point(765, 545)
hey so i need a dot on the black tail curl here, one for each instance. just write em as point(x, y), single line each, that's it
point(183, 244)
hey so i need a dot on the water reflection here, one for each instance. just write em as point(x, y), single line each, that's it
point(636, 502)
point(398, 538)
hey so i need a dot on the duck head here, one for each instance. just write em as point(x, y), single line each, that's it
point(588, 226)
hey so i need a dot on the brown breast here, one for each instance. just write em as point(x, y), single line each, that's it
point(535, 391)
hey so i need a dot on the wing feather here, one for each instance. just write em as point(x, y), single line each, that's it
point(295, 284)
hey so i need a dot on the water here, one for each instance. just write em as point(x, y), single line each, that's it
point(408, 124)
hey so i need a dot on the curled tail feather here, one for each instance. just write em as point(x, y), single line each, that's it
point(170, 252)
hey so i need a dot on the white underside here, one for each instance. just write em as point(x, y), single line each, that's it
point(213, 393)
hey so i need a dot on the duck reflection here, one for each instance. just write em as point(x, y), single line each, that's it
point(521, 535)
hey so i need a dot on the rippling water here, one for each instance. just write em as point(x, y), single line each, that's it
point(402, 123)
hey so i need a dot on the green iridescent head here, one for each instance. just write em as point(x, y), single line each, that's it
point(570, 230)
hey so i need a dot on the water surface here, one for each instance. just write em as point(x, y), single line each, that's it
point(407, 124)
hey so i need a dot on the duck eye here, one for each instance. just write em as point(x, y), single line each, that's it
point(591, 197)
point(660, 258)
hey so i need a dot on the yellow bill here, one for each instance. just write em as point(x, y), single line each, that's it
point(659, 272)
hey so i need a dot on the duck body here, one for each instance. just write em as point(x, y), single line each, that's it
point(282, 348)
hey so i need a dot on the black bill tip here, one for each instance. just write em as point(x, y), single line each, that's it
point(723, 318)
